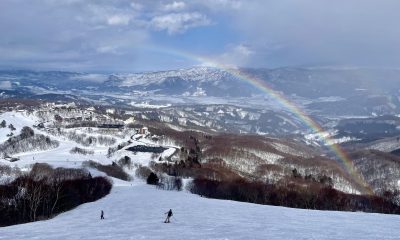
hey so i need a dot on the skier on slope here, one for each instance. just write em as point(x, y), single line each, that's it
point(169, 215)
point(102, 214)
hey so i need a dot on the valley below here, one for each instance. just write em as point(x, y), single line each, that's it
point(190, 131)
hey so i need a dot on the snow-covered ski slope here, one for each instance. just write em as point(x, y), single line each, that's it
point(137, 212)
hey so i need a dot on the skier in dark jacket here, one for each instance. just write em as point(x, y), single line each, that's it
point(102, 214)
point(169, 215)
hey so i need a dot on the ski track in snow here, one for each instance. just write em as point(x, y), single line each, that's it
point(137, 212)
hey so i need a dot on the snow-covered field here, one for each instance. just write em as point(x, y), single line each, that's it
point(137, 212)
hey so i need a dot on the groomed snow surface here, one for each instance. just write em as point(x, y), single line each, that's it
point(137, 212)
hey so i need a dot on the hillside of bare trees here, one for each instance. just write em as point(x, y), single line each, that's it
point(45, 192)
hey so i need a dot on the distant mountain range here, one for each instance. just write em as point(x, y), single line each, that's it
point(327, 92)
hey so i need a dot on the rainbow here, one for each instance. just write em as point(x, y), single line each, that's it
point(286, 103)
point(304, 117)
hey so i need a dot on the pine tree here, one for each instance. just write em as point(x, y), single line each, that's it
point(152, 179)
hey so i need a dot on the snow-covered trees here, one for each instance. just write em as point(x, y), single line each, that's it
point(142, 172)
point(82, 151)
point(26, 132)
point(26, 141)
point(170, 183)
point(125, 162)
point(85, 139)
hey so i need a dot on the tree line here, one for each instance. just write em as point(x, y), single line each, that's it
point(313, 196)
point(45, 192)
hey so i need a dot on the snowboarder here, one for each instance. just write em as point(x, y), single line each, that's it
point(102, 214)
point(169, 215)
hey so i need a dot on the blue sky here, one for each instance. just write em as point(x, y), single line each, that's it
point(145, 35)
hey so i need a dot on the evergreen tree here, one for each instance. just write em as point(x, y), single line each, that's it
point(152, 179)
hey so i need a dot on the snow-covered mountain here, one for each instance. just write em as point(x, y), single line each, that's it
point(187, 82)
point(328, 92)
point(227, 118)
point(201, 74)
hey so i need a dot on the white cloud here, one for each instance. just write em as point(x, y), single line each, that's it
point(217, 5)
point(242, 50)
point(118, 20)
point(179, 22)
point(236, 55)
point(174, 6)
point(136, 6)
point(234, 4)
point(107, 49)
